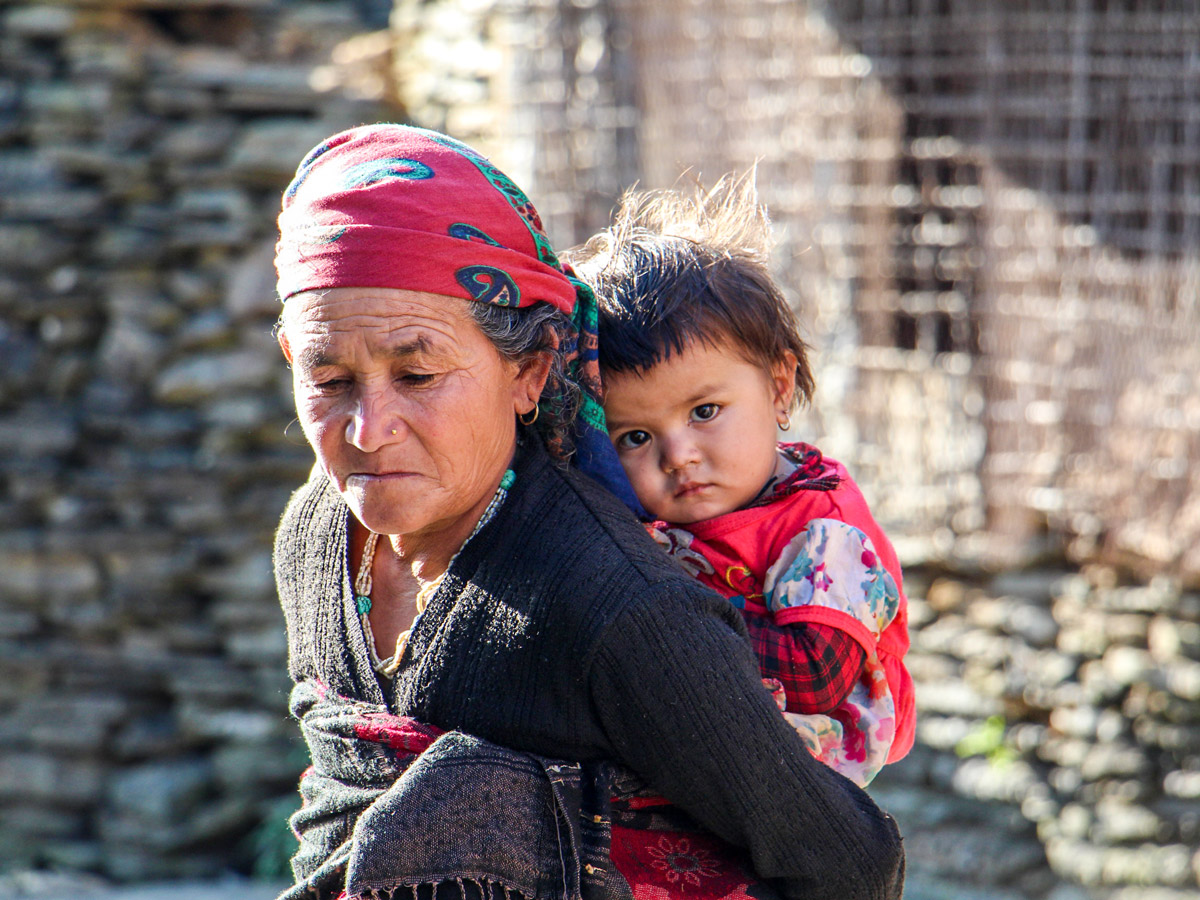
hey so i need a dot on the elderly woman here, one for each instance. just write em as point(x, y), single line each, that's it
point(496, 669)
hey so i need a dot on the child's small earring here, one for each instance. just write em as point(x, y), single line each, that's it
point(786, 424)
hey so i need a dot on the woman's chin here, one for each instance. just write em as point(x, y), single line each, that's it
point(389, 508)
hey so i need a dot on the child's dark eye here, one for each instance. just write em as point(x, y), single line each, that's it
point(705, 411)
point(631, 439)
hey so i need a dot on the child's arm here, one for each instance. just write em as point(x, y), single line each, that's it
point(831, 574)
point(817, 664)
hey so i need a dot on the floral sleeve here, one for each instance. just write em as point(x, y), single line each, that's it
point(830, 574)
point(832, 567)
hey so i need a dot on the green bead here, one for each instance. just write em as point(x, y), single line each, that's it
point(364, 603)
point(507, 480)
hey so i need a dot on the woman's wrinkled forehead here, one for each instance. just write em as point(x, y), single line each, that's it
point(320, 326)
point(401, 207)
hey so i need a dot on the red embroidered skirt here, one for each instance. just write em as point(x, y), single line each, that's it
point(664, 855)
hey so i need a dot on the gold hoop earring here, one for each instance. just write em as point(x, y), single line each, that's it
point(533, 415)
point(786, 424)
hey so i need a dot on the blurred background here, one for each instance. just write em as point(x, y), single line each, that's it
point(988, 218)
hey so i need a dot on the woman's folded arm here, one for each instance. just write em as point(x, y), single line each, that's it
point(679, 694)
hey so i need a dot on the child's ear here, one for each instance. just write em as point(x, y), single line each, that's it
point(783, 380)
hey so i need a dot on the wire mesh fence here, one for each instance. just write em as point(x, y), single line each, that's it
point(988, 215)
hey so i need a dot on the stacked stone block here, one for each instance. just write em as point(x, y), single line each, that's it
point(143, 406)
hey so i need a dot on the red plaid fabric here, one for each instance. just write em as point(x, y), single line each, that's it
point(817, 664)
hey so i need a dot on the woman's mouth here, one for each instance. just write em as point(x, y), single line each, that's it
point(365, 478)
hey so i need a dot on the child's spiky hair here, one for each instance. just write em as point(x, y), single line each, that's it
point(678, 266)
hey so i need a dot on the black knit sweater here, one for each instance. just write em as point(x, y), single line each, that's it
point(561, 629)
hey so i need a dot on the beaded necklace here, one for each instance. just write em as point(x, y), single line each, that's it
point(362, 584)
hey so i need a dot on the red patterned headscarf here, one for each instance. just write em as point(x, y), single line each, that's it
point(401, 207)
point(392, 206)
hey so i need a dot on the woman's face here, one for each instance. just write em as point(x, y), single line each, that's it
point(409, 407)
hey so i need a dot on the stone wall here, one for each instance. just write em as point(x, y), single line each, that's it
point(143, 404)
point(1058, 738)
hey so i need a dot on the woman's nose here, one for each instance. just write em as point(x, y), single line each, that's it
point(373, 424)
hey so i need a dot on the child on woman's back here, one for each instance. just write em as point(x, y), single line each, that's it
point(702, 363)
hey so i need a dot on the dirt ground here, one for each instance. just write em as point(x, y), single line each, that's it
point(52, 886)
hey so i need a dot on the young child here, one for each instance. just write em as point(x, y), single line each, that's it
point(701, 364)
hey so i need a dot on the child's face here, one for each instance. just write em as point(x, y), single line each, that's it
point(696, 432)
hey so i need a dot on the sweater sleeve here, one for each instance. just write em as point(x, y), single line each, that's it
point(678, 693)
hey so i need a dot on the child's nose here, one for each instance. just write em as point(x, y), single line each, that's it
point(678, 452)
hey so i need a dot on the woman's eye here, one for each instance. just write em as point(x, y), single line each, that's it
point(705, 411)
point(416, 379)
point(631, 439)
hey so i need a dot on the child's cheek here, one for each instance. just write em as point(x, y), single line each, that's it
point(643, 481)
point(632, 471)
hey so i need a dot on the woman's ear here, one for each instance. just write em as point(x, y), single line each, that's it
point(281, 336)
point(531, 381)
point(783, 381)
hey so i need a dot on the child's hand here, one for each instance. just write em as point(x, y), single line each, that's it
point(677, 543)
point(775, 686)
